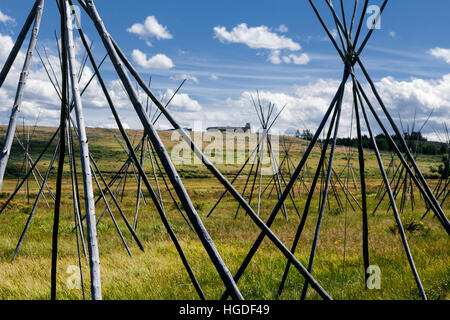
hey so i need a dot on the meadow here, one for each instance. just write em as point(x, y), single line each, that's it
point(158, 273)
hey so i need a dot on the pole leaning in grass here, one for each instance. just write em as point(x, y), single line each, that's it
point(4, 156)
point(62, 153)
point(94, 260)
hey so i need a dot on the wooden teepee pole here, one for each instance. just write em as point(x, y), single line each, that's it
point(62, 151)
point(18, 44)
point(4, 156)
point(94, 261)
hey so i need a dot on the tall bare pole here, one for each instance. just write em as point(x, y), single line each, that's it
point(18, 44)
point(4, 156)
point(62, 151)
point(94, 260)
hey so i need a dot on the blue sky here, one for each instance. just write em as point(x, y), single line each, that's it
point(195, 38)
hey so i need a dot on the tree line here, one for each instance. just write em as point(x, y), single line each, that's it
point(416, 142)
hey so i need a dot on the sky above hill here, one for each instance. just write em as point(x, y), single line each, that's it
point(228, 50)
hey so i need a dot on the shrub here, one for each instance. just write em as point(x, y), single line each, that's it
point(335, 211)
point(412, 226)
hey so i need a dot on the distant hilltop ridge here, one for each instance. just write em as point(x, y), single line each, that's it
point(245, 129)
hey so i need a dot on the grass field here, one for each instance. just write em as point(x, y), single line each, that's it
point(158, 272)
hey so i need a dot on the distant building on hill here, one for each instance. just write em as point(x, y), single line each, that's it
point(185, 129)
point(246, 129)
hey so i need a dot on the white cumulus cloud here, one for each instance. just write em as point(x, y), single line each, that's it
point(440, 53)
point(300, 59)
point(150, 28)
point(306, 104)
point(182, 102)
point(158, 61)
point(40, 98)
point(276, 58)
point(282, 28)
point(6, 19)
point(260, 37)
point(187, 77)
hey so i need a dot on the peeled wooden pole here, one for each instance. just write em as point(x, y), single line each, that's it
point(122, 214)
point(102, 195)
point(36, 202)
point(27, 175)
point(4, 156)
point(248, 180)
point(397, 182)
point(35, 170)
point(346, 191)
point(362, 174)
point(125, 175)
point(18, 44)
point(280, 178)
point(442, 192)
point(359, 90)
point(213, 169)
point(111, 215)
point(62, 153)
point(255, 150)
point(44, 150)
point(118, 174)
point(151, 151)
point(94, 260)
point(138, 196)
point(75, 194)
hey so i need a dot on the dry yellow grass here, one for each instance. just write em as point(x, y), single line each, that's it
point(158, 273)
